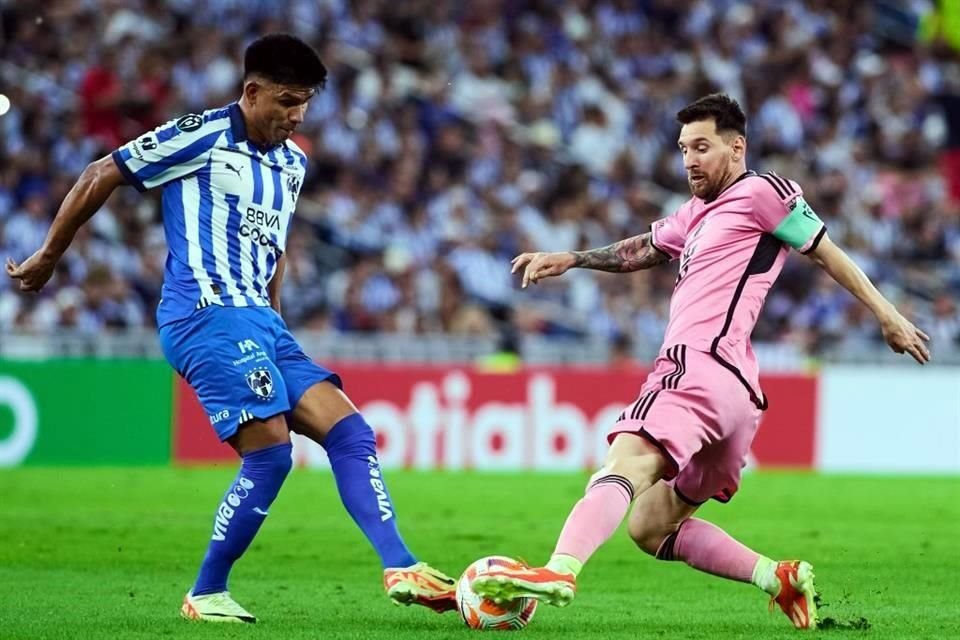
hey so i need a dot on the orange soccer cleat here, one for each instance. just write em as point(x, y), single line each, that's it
point(797, 595)
point(423, 585)
point(515, 581)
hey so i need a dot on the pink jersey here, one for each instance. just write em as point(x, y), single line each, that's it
point(731, 251)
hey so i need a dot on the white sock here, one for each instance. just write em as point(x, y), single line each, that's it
point(765, 577)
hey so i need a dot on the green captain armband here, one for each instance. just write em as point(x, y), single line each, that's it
point(801, 227)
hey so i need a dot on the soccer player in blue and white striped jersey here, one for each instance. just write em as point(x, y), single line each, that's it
point(227, 205)
point(230, 180)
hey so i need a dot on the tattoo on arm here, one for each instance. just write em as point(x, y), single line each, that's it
point(632, 254)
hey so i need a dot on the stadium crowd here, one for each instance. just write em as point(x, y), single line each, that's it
point(453, 135)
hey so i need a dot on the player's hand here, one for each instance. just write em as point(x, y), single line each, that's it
point(541, 265)
point(34, 272)
point(903, 336)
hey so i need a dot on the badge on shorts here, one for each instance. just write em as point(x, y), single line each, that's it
point(261, 383)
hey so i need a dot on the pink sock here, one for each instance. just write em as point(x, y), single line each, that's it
point(596, 517)
point(709, 548)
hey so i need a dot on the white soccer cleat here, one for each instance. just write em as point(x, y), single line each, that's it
point(214, 607)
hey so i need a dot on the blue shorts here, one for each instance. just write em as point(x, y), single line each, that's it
point(242, 362)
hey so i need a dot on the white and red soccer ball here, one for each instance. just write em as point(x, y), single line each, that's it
point(480, 613)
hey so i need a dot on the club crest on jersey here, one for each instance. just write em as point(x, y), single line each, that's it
point(293, 185)
point(261, 383)
point(189, 122)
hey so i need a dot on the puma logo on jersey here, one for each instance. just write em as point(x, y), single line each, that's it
point(234, 169)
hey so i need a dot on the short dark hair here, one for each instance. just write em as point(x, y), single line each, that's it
point(720, 107)
point(284, 59)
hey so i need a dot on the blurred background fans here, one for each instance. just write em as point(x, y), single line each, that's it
point(453, 135)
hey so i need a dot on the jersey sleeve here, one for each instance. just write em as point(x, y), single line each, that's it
point(169, 152)
point(668, 235)
point(781, 211)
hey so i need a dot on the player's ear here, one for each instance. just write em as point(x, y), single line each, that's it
point(739, 146)
point(251, 90)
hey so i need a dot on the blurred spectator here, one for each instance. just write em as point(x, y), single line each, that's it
point(26, 229)
point(452, 136)
point(944, 322)
point(101, 94)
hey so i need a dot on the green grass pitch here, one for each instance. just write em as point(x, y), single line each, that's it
point(108, 553)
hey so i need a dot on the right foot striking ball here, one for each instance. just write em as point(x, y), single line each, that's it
point(486, 613)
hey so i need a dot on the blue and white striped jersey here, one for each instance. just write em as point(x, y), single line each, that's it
point(227, 205)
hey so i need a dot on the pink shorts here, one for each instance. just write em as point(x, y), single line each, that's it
point(701, 418)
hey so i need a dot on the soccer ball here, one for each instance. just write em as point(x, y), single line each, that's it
point(480, 613)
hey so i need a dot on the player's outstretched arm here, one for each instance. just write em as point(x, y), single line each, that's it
point(91, 190)
point(632, 254)
point(899, 332)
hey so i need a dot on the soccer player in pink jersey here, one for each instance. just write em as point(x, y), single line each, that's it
point(687, 436)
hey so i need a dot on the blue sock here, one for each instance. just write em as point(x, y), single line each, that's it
point(241, 513)
point(352, 450)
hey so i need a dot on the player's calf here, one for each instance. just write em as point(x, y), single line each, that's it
point(352, 449)
point(708, 548)
point(241, 513)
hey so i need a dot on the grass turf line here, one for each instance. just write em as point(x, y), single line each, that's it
point(108, 553)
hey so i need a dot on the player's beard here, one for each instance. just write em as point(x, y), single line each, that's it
point(703, 188)
point(709, 188)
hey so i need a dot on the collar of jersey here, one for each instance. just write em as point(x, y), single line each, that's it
point(745, 174)
point(239, 129)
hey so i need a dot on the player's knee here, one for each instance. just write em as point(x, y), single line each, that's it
point(282, 465)
point(352, 436)
point(269, 465)
point(648, 538)
point(260, 434)
point(276, 467)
